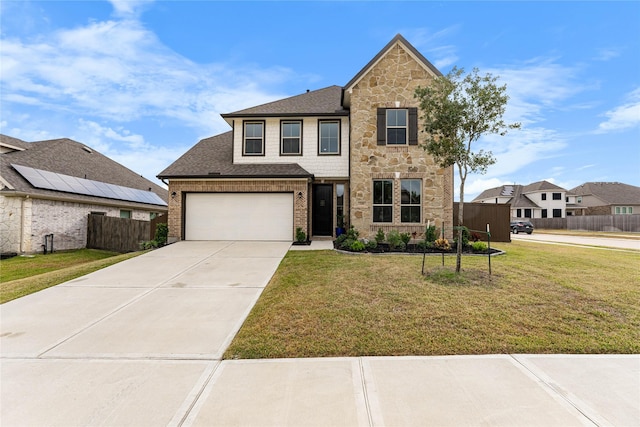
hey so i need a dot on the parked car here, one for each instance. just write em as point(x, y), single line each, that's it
point(521, 226)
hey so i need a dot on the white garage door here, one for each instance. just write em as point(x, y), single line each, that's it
point(239, 216)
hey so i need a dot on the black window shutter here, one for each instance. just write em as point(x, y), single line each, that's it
point(413, 126)
point(382, 126)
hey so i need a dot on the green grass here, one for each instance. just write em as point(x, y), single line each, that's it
point(540, 299)
point(23, 275)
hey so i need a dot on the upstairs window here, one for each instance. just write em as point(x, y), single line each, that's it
point(397, 126)
point(329, 137)
point(253, 144)
point(382, 200)
point(544, 196)
point(291, 138)
point(557, 196)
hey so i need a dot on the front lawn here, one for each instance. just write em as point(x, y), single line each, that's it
point(540, 299)
point(23, 275)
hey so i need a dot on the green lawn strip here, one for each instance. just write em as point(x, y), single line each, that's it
point(25, 266)
point(10, 290)
point(540, 299)
point(605, 234)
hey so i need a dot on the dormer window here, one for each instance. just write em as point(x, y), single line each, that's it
point(253, 140)
point(397, 126)
point(291, 138)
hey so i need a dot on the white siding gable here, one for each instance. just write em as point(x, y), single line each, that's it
point(327, 166)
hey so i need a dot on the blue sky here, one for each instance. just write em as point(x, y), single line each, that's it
point(143, 81)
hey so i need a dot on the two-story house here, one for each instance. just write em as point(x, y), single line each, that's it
point(605, 198)
point(340, 154)
point(540, 199)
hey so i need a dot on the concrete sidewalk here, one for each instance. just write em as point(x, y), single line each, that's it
point(140, 343)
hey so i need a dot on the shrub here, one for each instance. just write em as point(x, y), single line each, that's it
point(406, 238)
point(352, 233)
point(357, 246)
point(371, 244)
point(340, 239)
point(162, 231)
point(346, 244)
point(479, 246)
point(465, 236)
point(301, 236)
point(380, 236)
point(475, 237)
point(431, 234)
point(442, 244)
point(149, 244)
point(422, 245)
point(394, 239)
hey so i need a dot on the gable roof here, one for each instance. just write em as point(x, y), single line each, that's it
point(398, 39)
point(612, 193)
point(321, 102)
point(68, 157)
point(213, 158)
point(541, 186)
point(12, 143)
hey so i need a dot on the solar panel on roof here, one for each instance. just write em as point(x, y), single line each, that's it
point(70, 184)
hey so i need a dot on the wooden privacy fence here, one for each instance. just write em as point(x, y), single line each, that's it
point(116, 234)
point(626, 223)
point(478, 215)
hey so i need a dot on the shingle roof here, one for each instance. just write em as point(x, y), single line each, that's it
point(213, 158)
point(321, 102)
point(613, 193)
point(69, 157)
point(541, 186)
point(14, 142)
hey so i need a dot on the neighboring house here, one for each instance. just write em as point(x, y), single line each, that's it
point(50, 187)
point(605, 198)
point(538, 200)
point(315, 160)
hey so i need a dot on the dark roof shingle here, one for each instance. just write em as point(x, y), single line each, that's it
point(213, 157)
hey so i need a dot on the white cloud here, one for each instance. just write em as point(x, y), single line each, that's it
point(626, 116)
point(120, 71)
point(441, 54)
point(129, 8)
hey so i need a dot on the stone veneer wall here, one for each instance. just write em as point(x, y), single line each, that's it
point(300, 217)
point(393, 79)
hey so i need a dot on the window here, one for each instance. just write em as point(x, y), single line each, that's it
point(579, 199)
point(544, 213)
point(544, 196)
point(383, 200)
point(329, 137)
point(527, 213)
point(291, 138)
point(396, 127)
point(557, 213)
point(125, 214)
point(628, 210)
point(410, 200)
point(340, 220)
point(557, 196)
point(519, 213)
point(253, 139)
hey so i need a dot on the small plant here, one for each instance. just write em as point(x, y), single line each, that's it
point(442, 244)
point(465, 237)
point(406, 238)
point(357, 246)
point(346, 244)
point(380, 236)
point(371, 244)
point(301, 236)
point(431, 234)
point(395, 240)
point(479, 246)
point(149, 244)
point(162, 231)
point(352, 233)
point(422, 245)
point(340, 239)
point(475, 237)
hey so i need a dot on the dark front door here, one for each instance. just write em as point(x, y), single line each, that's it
point(322, 220)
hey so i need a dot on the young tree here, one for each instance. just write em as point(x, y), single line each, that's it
point(456, 111)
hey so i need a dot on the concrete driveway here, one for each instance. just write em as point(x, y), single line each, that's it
point(140, 343)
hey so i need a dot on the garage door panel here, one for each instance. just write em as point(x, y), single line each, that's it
point(239, 216)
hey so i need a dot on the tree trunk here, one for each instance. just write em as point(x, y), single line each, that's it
point(460, 229)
